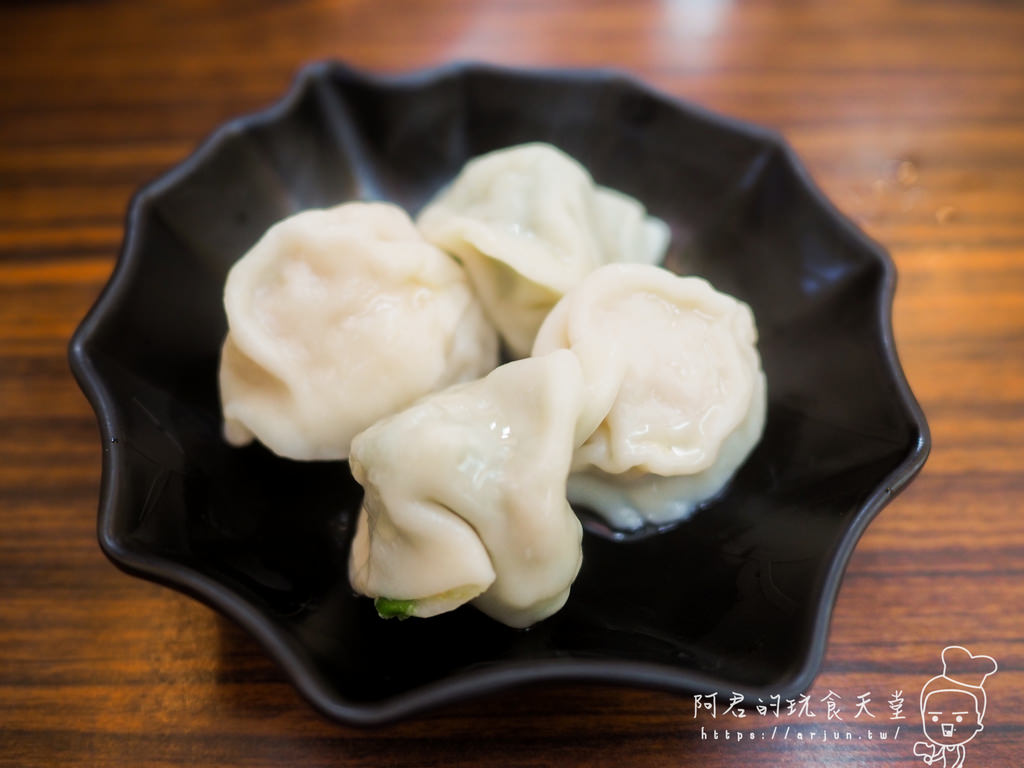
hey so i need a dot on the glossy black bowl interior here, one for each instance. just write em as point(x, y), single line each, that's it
point(738, 599)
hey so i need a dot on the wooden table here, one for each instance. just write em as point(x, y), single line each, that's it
point(909, 114)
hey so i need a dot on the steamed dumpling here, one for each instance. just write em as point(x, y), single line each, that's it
point(529, 224)
point(337, 318)
point(465, 497)
point(633, 499)
point(675, 395)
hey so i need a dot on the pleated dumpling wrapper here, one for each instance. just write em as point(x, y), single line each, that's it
point(465, 497)
point(675, 395)
point(339, 317)
point(529, 224)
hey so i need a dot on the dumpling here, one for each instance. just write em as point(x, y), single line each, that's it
point(337, 318)
point(625, 231)
point(674, 393)
point(529, 224)
point(465, 497)
point(630, 500)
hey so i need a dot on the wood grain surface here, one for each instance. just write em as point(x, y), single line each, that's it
point(910, 115)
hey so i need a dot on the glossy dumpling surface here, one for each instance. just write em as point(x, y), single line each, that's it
point(674, 389)
point(336, 318)
point(465, 496)
point(529, 224)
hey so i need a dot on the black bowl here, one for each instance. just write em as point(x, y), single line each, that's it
point(736, 599)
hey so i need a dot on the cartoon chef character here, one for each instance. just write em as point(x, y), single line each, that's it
point(953, 707)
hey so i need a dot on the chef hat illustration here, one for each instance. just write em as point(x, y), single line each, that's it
point(962, 671)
